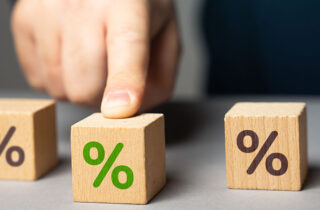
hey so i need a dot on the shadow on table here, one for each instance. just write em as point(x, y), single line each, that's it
point(182, 120)
point(170, 190)
point(63, 163)
point(313, 178)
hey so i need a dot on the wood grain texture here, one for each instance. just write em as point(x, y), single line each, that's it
point(35, 134)
point(289, 121)
point(143, 151)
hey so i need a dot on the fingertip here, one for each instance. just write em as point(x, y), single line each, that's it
point(119, 104)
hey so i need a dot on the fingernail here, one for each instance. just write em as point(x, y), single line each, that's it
point(117, 99)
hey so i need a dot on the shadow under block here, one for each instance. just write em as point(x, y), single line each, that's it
point(266, 146)
point(27, 138)
point(143, 154)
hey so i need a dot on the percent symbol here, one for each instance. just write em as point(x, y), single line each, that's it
point(105, 169)
point(11, 149)
point(265, 147)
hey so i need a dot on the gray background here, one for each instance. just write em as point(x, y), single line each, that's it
point(190, 82)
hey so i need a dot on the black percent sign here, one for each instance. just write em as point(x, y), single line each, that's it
point(265, 147)
point(11, 149)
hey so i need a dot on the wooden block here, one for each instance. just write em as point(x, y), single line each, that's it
point(266, 146)
point(27, 138)
point(118, 160)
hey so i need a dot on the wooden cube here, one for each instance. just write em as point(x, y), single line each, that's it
point(266, 146)
point(118, 160)
point(27, 138)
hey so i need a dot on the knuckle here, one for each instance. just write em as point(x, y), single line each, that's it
point(51, 60)
point(17, 19)
point(20, 16)
point(54, 74)
point(84, 96)
point(55, 84)
point(78, 98)
point(36, 84)
point(57, 93)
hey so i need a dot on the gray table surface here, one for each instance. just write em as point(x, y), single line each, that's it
point(195, 163)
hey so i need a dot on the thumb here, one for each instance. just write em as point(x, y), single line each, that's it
point(128, 55)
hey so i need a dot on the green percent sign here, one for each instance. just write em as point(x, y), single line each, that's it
point(105, 169)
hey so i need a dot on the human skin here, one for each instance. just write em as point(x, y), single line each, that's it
point(121, 55)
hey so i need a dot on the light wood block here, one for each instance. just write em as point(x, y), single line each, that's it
point(143, 152)
point(27, 138)
point(283, 157)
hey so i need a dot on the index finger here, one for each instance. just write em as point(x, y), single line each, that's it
point(128, 57)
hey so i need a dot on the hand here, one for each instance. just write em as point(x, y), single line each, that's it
point(121, 52)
